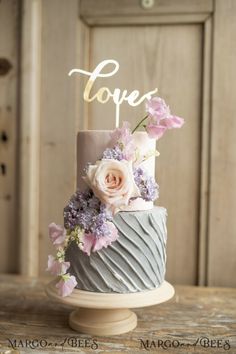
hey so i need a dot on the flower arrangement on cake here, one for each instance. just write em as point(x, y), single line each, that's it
point(115, 182)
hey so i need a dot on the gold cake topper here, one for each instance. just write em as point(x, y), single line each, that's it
point(104, 94)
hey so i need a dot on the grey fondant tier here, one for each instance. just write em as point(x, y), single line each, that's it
point(134, 262)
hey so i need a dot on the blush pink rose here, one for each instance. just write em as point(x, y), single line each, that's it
point(112, 182)
point(66, 285)
point(56, 267)
point(57, 234)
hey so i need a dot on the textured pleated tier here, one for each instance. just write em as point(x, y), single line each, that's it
point(136, 261)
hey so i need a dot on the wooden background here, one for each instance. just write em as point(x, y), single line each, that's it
point(185, 48)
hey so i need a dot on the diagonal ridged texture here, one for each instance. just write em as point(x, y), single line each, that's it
point(134, 262)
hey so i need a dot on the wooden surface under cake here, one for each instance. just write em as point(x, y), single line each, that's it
point(202, 316)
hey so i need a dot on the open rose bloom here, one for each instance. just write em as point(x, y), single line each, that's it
point(112, 182)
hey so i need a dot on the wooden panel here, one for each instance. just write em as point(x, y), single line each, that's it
point(29, 136)
point(161, 64)
point(9, 27)
point(222, 225)
point(205, 153)
point(59, 122)
point(144, 20)
point(90, 9)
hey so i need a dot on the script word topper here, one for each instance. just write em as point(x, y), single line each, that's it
point(104, 94)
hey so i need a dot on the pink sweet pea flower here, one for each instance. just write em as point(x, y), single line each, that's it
point(57, 234)
point(66, 285)
point(155, 131)
point(88, 242)
point(172, 122)
point(122, 134)
point(124, 139)
point(157, 108)
point(160, 118)
point(106, 240)
point(56, 267)
point(93, 243)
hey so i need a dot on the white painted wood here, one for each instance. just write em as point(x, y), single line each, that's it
point(30, 138)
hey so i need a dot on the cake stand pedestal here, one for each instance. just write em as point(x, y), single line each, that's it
point(108, 314)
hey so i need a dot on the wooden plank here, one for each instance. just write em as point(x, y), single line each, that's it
point(29, 139)
point(147, 20)
point(83, 36)
point(222, 225)
point(205, 153)
point(59, 118)
point(160, 63)
point(9, 115)
point(111, 8)
point(36, 317)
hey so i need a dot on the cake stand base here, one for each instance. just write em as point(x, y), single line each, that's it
point(104, 314)
point(103, 322)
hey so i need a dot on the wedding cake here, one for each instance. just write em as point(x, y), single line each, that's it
point(114, 238)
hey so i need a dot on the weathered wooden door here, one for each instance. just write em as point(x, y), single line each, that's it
point(165, 45)
point(185, 48)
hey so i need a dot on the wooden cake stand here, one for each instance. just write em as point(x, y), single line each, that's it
point(105, 313)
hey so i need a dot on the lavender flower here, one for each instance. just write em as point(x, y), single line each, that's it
point(85, 210)
point(114, 153)
point(100, 227)
point(78, 210)
point(147, 185)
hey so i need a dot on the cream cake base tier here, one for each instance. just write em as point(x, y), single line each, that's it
point(133, 263)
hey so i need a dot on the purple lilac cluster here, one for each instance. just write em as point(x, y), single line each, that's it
point(85, 210)
point(113, 153)
point(147, 185)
